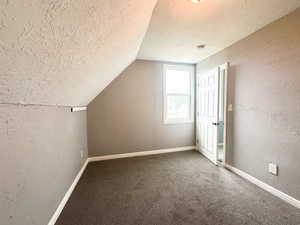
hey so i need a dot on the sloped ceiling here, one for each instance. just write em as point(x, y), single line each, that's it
point(178, 26)
point(64, 52)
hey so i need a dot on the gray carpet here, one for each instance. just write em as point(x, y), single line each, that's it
point(171, 189)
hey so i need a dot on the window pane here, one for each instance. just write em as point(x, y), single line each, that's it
point(178, 81)
point(178, 107)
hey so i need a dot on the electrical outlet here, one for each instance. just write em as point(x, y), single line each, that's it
point(230, 108)
point(273, 169)
point(81, 153)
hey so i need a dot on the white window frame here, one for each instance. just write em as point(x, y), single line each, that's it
point(191, 70)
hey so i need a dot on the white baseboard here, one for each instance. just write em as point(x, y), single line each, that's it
point(265, 186)
point(135, 154)
point(67, 195)
point(107, 157)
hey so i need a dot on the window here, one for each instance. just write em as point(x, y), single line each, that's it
point(178, 94)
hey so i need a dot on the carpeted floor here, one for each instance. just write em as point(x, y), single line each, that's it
point(171, 189)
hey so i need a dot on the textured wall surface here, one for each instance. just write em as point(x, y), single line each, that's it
point(178, 26)
point(128, 115)
point(40, 155)
point(264, 87)
point(64, 52)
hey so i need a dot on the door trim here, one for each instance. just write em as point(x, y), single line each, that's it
point(225, 67)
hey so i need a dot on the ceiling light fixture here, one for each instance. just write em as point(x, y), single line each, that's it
point(196, 1)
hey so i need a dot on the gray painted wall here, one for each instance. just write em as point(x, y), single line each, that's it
point(128, 115)
point(39, 159)
point(264, 87)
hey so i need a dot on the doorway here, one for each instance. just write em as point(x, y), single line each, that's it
point(211, 119)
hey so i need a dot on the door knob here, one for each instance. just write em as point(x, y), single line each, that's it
point(216, 124)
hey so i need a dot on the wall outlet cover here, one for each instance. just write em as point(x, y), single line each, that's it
point(273, 169)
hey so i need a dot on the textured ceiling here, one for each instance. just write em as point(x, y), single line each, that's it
point(178, 26)
point(64, 52)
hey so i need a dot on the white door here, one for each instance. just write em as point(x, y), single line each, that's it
point(207, 113)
